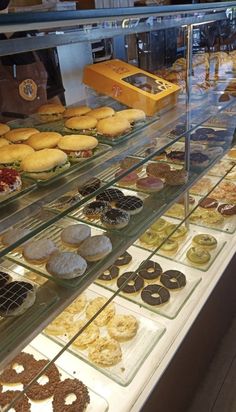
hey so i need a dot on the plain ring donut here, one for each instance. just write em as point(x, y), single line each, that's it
point(155, 295)
point(173, 279)
point(70, 387)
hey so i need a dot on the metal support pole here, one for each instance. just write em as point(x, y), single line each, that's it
point(188, 112)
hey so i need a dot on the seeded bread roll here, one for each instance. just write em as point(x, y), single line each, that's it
point(102, 112)
point(113, 126)
point(21, 134)
point(4, 128)
point(45, 163)
point(81, 123)
point(44, 140)
point(132, 115)
point(66, 265)
point(76, 111)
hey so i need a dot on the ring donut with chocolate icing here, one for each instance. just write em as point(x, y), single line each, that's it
point(173, 279)
point(155, 295)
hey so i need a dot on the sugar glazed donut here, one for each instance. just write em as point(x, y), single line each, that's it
point(122, 327)
point(70, 387)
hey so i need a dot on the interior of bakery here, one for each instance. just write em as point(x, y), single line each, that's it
point(117, 205)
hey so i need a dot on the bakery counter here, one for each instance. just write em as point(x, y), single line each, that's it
point(133, 382)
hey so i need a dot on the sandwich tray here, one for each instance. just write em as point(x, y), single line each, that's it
point(134, 351)
point(183, 246)
point(58, 126)
point(178, 297)
point(97, 402)
point(27, 186)
point(10, 327)
point(100, 150)
point(53, 232)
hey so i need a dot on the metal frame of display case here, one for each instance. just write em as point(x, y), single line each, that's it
point(78, 27)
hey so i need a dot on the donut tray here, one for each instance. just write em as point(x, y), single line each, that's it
point(222, 167)
point(183, 246)
point(27, 186)
point(53, 232)
point(97, 402)
point(58, 126)
point(134, 351)
point(221, 120)
point(100, 150)
point(45, 298)
point(228, 225)
point(178, 297)
point(154, 204)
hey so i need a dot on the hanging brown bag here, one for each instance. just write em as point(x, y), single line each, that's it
point(23, 88)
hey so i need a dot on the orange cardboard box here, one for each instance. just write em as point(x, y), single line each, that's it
point(130, 85)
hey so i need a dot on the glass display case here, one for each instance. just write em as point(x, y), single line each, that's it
point(106, 264)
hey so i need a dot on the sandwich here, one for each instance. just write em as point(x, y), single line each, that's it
point(12, 155)
point(4, 128)
point(51, 112)
point(78, 146)
point(3, 142)
point(112, 127)
point(102, 112)
point(44, 140)
point(81, 123)
point(76, 111)
point(20, 135)
point(45, 164)
point(132, 115)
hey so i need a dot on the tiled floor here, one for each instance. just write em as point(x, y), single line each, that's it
point(217, 392)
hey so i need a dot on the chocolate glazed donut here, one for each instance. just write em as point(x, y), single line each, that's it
point(134, 285)
point(123, 259)
point(173, 279)
point(111, 273)
point(150, 270)
point(155, 295)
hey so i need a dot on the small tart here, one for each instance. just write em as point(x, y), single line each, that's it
point(105, 352)
point(198, 255)
point(95, 305)
point(205, 241)
point(122, 327)
point(88, 336)
point(160, 225)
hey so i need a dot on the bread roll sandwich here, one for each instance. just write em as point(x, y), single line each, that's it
point(132, 115)
point(114, 126)
point(20, 135)
point(45, 163)
point(44, 140)
point(78, 146)
point(76, 111)
point(102, 112)
point(4, 128)
point(51, 112)
point(3, 142)
point(81, 123)
point(12, 155)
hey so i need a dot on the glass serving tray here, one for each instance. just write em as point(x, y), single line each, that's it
point(45, 298)
point(99, 151)
point(221, 120)
point(27, 186)
point(53, 232)
point(134, 351)
point(58, 126)
point(178, 297)
point(154, 204)
point(184, 244)
point(97, 402)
